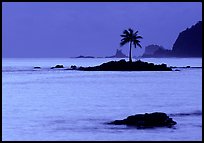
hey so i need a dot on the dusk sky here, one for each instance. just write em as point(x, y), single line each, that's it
point(68, 29)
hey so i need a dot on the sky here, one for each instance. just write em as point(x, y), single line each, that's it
point(69, 29)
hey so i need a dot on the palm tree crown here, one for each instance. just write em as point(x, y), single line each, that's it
point(129, 36)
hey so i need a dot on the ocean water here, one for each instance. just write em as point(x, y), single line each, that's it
point(53, 104)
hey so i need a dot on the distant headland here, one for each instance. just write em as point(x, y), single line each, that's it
point(187, 44)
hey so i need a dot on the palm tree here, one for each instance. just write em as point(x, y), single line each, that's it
point(132, 37)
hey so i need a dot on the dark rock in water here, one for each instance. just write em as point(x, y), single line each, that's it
point(58, 66)
point(122, 65)
point(73, 67)
point(37, 67)
point(177, 70)
point(187, 66)
point(84, 56)
point(156, 119)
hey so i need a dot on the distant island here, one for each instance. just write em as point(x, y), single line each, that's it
point(118, 54)
point(156, 51)
point(187, 44)
point(84, 56)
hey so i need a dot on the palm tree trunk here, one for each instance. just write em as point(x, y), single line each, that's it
point(130, 53)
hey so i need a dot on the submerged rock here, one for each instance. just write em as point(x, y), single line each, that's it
point(156, 119)
point(37, 67)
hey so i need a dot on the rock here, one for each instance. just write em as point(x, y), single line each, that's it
point(84, 56)
point(122, 65)
point(188, 66)
point(156, 119)
point(37, 67)
point(177, 70)
point(151, 49)
point(156, 51)
point(58, 66)
point(73, 67)
point(118, 54)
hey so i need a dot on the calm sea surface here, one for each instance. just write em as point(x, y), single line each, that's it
point(54, 104)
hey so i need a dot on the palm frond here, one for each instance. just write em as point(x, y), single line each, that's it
point(131, 31)
point(123, 42)
point(125, 32)
point(139, 37)
point(136, 33)
point(130, 36)
point(124, 35)
point(138, 44)
point(136, 41)
point(125, 39)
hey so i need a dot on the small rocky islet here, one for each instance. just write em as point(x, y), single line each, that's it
point(147, 120)
point(58, 66)
point(121, 65)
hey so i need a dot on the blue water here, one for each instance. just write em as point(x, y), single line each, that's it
point(46, 104)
